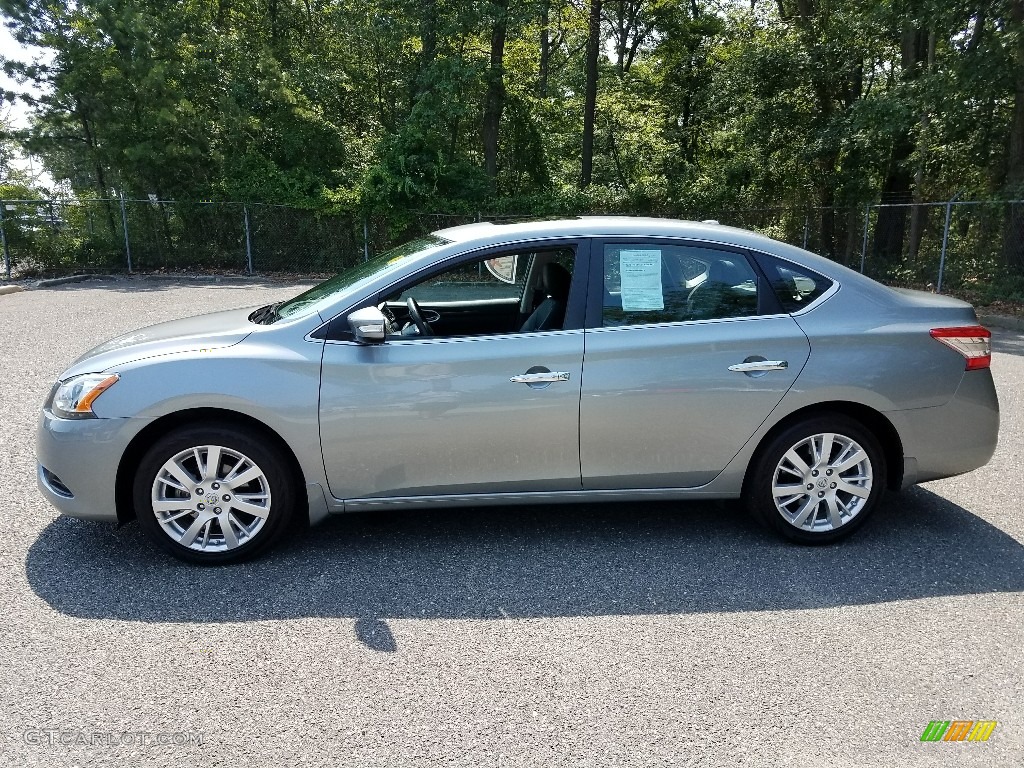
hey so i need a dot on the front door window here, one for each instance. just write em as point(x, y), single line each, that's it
point(509, 292)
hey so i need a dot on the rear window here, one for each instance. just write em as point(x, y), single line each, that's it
point(795, 286)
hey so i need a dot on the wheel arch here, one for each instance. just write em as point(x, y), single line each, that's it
point(146, 437)
point(883, 430)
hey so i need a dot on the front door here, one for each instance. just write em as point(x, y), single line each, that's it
point(453, 412)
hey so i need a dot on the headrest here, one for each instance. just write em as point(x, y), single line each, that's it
point(555, 280)
point(728, 272)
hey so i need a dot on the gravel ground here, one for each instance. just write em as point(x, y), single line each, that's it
point(627, 634)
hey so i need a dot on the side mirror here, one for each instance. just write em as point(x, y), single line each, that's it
point(368, 325)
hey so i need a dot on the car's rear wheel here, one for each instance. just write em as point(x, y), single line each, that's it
point(214, 494)
point(817, 481)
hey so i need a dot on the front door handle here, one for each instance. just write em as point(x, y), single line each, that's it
point(541, 377)
point(754, 366)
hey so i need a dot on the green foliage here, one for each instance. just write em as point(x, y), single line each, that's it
point(378, 106)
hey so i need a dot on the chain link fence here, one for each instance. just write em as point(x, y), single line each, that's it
point(964, 246)
point(955, 245)
point(50, 237)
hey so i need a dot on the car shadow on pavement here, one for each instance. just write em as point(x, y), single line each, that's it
point(589, 560)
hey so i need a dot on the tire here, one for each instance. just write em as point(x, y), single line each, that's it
point(243, 510)
point(841, 497)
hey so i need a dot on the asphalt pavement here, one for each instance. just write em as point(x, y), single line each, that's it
point(598, 635)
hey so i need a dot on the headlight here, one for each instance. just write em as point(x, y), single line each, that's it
point(73, 399)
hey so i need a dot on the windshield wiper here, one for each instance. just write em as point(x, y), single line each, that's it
point(265, 315)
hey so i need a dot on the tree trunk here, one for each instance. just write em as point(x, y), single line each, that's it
point(897, 189)
point(165, 221)
point(545, 50)
point(428, 34)
point(918, 219)
point(891, 224)
point(919, 213)
point(275, 32)
point(621, 32)
point(853, 241)
point(428, 29)
point(101, 181)
point(1013, 230)
point(494, 101)
point(828, 224)
point(590, 97)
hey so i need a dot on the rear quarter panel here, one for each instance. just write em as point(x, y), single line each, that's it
point(867, 348)
point(870, 348)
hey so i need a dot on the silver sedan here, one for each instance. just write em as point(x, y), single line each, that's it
point(587, 359)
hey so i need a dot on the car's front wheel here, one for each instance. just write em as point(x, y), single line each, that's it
point(213, 494)
point(817, 481)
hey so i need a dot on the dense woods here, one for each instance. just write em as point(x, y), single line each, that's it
point(538, 106)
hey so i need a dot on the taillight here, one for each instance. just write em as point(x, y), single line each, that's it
point(971, 341)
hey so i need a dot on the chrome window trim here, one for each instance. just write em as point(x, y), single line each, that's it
point(749, 251)
point(405, 341)
point(832, 291)
point(678, 323)
point(466, 302)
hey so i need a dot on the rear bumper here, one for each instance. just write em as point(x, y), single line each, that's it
point(953, 438)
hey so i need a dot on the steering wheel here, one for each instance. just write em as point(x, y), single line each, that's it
point(417, 317)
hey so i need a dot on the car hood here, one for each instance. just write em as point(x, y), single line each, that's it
point(213, 331)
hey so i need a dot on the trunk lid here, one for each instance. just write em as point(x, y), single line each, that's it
point(940, 309)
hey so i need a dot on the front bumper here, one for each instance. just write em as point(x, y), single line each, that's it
point(78, 460)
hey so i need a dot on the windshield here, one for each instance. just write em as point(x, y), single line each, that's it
point(345, 280)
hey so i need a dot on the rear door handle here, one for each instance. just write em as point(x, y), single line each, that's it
point(542, 377)
point(760, 365)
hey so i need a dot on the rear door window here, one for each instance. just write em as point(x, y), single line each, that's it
point(658, 282)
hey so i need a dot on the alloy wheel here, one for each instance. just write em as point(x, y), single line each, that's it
point(210, 498)
point(823, 482)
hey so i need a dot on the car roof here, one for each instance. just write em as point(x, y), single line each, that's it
point(595, 226)
point(489, 233)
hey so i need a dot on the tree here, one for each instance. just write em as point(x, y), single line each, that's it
point(1013, 231)
point(590, 103)
point(542, 106)
point(494, 101)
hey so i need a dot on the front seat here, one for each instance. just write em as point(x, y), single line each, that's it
point(550, 313)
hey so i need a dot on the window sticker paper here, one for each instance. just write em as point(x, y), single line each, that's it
point(641, 280)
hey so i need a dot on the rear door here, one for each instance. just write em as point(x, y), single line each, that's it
point(686, 354)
